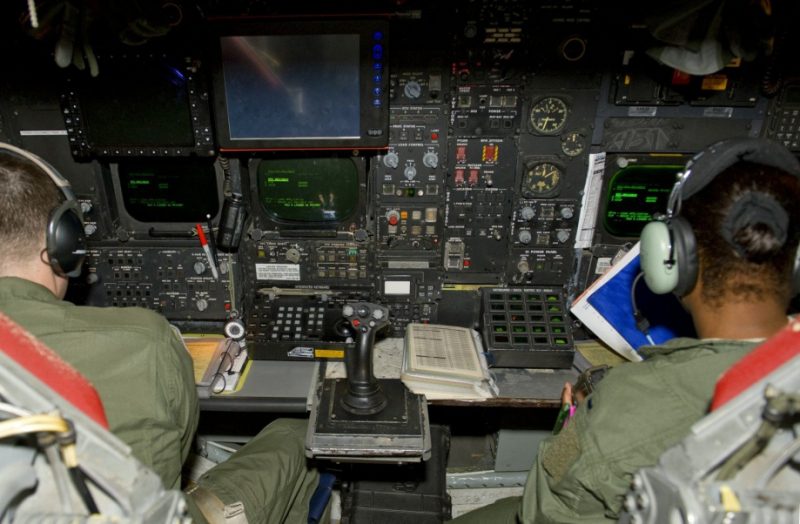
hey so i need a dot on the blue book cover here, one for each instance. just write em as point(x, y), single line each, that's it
point(607, 310)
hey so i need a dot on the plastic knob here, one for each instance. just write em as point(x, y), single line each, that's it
point(201, 304)
point(391, 160)
point(293, 255)
point(412, 89)
point(348, 311)
point(89, 229)
point(199, 268)
point(567, 213)
point(410, 172)
point(86, 207)
point(525, 236)
point(431, 160)
point(526, 213)
point(562, 236)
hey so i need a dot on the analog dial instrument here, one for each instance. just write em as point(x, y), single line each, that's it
point(541, 179)
point(549, 115)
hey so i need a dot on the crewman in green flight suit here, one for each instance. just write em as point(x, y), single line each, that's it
point(745, 217)
point(135, 360)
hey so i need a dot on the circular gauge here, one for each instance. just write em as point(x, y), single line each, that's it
point(549, 115)
point(572, 144)
point(541, 180)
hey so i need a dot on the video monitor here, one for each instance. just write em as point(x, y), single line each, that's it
point(311, 195)
point(168, 195)
point(138, 106)
point(309, 85)
point(633, 194)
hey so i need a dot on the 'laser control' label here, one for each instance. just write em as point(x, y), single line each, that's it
point(278, 272)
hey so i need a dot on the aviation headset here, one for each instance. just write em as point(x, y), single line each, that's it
point(668, 253)
point(65, 237)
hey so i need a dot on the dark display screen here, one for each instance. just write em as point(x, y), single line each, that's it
point(298, 87)
point(136, 102)
point(634, 194)
point(792, 96)
point(308, 190)
point(169, 192)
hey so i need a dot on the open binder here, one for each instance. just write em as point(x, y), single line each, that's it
point(219, 364)
point(446, 362)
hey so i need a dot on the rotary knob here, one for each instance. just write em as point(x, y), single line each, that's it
point(431, 160)
point(391, 160)
point(347, 311)
point(89, 229)
point(524, 236)
point(562, 236)
point(410, 172)
point(526, 213)
point(412, 89)
point(567, 213)
point(201, 304)
point(199, 268)
point(86, 207)
point(293, 255)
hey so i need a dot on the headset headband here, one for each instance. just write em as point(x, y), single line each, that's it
point(65, 240)
point(702, 168)
point(61, 182)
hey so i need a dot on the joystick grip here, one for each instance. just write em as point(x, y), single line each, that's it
point(364, 395)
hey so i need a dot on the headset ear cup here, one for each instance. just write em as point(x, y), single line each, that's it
point(685, 248)
point(66, 240)
point(661, 276)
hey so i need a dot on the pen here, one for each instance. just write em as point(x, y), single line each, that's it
point(566, 412)
point(207, 250)
point(212, 244)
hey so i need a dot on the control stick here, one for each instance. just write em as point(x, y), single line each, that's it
point(364, 395)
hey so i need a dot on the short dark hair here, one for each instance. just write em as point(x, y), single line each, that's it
point(758, 262)
point(27, 198)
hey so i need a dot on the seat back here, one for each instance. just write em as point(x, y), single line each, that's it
point(736, 462)
point(47, 366)
point(757, 364)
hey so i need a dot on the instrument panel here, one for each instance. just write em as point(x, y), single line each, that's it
point(507, 147)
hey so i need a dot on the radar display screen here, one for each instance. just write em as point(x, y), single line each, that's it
point(634, 194)
point(136, 102)
point(292, 86)
point(169, 192)
point(308, 190)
